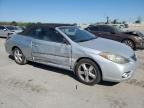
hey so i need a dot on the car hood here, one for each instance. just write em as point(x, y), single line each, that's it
point(130, 32)
point(105, 45)
point(134, 33)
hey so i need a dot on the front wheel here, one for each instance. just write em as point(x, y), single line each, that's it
point(88, 72)
point(19, 57)
point(129, 43)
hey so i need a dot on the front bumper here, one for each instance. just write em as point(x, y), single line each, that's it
point(140, 44)
point(116, 72)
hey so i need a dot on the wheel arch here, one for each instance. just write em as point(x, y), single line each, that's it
point(127, 39)
point(88, 59)
point(130, 40)
point(14, 48)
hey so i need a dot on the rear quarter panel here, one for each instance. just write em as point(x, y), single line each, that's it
point(22, 42)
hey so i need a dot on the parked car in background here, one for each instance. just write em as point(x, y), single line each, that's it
point(4, 32)
point(14, 29)
point(131, 38)
point(7, 30)
point(23, 28)
point(91, 58)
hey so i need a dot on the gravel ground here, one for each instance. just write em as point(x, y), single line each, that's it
point(39, 86)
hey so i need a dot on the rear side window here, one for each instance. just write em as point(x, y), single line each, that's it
point(34, 32)
point(105, 29)
point(53, 35)
point(46, 34)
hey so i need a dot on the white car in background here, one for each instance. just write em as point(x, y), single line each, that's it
point(7, 30)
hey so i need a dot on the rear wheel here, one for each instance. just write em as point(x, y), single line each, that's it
point(88, 72)
point(19, 57)
point(129, 43)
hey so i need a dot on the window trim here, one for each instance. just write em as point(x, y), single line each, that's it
point(27, 32)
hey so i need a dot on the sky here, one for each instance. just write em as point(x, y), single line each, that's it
point(70, 11)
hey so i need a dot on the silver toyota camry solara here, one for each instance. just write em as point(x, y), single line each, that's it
point(91, 58)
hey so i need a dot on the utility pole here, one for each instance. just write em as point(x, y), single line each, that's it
point(108, 19)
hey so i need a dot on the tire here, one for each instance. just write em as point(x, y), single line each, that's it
point(88, 72)
point(129, 43)
point(19, 57)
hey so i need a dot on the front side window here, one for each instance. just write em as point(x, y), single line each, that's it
point(76, 34)
point(93, 28)
point(52, 35)
point(110, 29)
point(118, 29)
point(106, 29)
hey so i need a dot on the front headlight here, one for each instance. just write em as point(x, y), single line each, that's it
point(114, 58)
point(139, 38)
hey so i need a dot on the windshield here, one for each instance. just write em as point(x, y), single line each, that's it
point(11, 28)
point(77, 34)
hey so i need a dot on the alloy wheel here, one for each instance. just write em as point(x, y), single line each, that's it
point(87, 72)
point(129, 43)
point(18, 55)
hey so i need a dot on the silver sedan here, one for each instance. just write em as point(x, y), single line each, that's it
point(92, 59)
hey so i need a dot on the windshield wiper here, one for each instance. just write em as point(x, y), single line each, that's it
point(82, 40)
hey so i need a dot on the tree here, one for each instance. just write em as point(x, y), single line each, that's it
point(29, 24)
point(14, 23)
point(139, 20)
point(108, 20)
point(124, 22)
point(39, 23)
point(115, 21)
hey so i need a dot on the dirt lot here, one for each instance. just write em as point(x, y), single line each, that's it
point(39, 86)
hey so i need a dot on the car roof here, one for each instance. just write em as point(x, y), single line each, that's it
point(101, 25)
point(49, 25)
point(45, 25)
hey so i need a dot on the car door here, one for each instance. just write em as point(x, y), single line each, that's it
point(49, 47)
point(100, 31)
point(113, 34)
point(3, 31)
point(105, 33)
